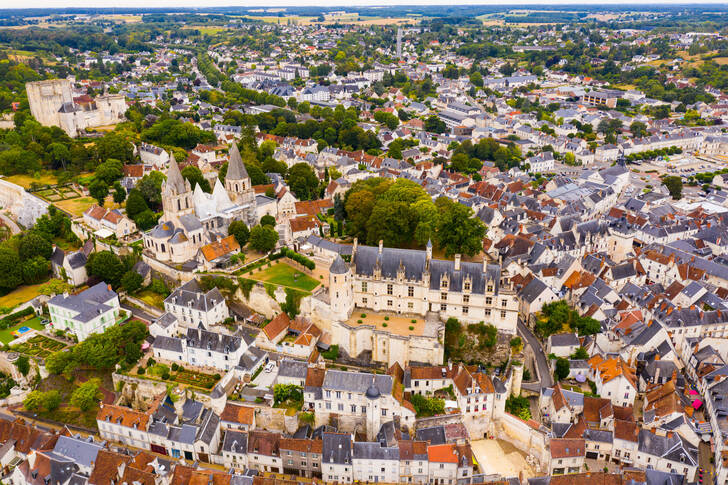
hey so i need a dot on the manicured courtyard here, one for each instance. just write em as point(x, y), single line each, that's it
point(284, 275)
point(7, 336)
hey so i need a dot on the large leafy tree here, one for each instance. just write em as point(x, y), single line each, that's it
point(241, 232)
point(107, 266)
point(303, 181)
point(457, 230)
point(34, 244)
point(263, 238)
point(195, 177)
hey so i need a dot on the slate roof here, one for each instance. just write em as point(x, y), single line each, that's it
point(88, 304)
point(336, 448)
point(375, 451)
point(358, 382)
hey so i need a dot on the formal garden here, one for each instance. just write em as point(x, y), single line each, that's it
point(177, 373)
point(39, 346)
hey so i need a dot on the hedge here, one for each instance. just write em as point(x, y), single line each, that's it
point(14, 317)
point(299, 258)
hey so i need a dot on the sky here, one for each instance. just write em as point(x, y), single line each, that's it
point(312, 3)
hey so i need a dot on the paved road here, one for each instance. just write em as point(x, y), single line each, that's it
point(543, 366)
point(139, 313)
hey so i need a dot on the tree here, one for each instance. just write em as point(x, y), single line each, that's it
point(435, 125)
point(476, 79)
point(303, 181)
point(580, 354)
point(23, 365)
point(11, 273)
point(35, 270)
point(99, 190)
point(638, 129)
point(561, 371)
point(195, 177)
point(54, 287)
point(268, 220)
point(146, 220)
point(34, 244)
point(674, 186)
point(458, 231)
point(263, 238)
point(34, 400)
point(241, 232)
point(150, 186)
point(339, 211)
point(131, 281)
point(110, 171)
point(51, 400)
point(135, 203)
point(107, 266)
point(569, 159)
point(86, 395)
point(119, 193)
point(116, 146)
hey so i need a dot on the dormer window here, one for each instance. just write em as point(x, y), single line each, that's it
point(466, 286)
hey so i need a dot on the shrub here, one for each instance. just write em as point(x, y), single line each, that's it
point(363, 315)
point(332, 353)
point(216, 377)
point(358, 321)
point(175, 367)
point(386, 319)
point(141, 371)
point(411, 327)
point(384, 324)
point(151, 362)
point(413, 321)
point(165, 376)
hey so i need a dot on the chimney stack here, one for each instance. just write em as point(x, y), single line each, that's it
point(457, 262)
point(381, 246)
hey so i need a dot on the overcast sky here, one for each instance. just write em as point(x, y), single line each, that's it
point(315, 3)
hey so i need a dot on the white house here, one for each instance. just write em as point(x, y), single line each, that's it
point(91, 311)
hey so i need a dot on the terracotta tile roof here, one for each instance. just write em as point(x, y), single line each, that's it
point(626, 430)
point(315, 377)
point(261, 189)
point(442, 453)
point(303, 223)
point(135, 171)
point(596, 409)
point(124, 416)
point(264, 443)
point(136, 476)
point(220, 248)
point(238, 414)
point(567, 448)
point(313, 207)
point(279, 324)
point(613, 368)
point(106, 467)
point(431, 372)
point(302, 444)
point(95, 212)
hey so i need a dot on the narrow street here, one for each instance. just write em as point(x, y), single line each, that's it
point(544, 373)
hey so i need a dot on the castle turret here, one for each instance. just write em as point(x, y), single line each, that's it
point(340, 289)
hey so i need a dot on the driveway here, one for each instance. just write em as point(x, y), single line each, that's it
point(139, 313)
point(544, 373)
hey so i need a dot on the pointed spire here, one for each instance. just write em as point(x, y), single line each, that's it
point(175, 181)
point(236, 168)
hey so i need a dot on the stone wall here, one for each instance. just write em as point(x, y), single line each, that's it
point(24, 207)
point(260, 301)
point(533, 442)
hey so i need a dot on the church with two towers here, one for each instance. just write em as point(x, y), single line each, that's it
point(193, 218)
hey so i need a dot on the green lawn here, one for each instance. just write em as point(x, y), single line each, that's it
point(19, 295)
point(5, 335)
point(151, 298)
point(282, 274)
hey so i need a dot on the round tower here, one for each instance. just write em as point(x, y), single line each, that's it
point(341, 292)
